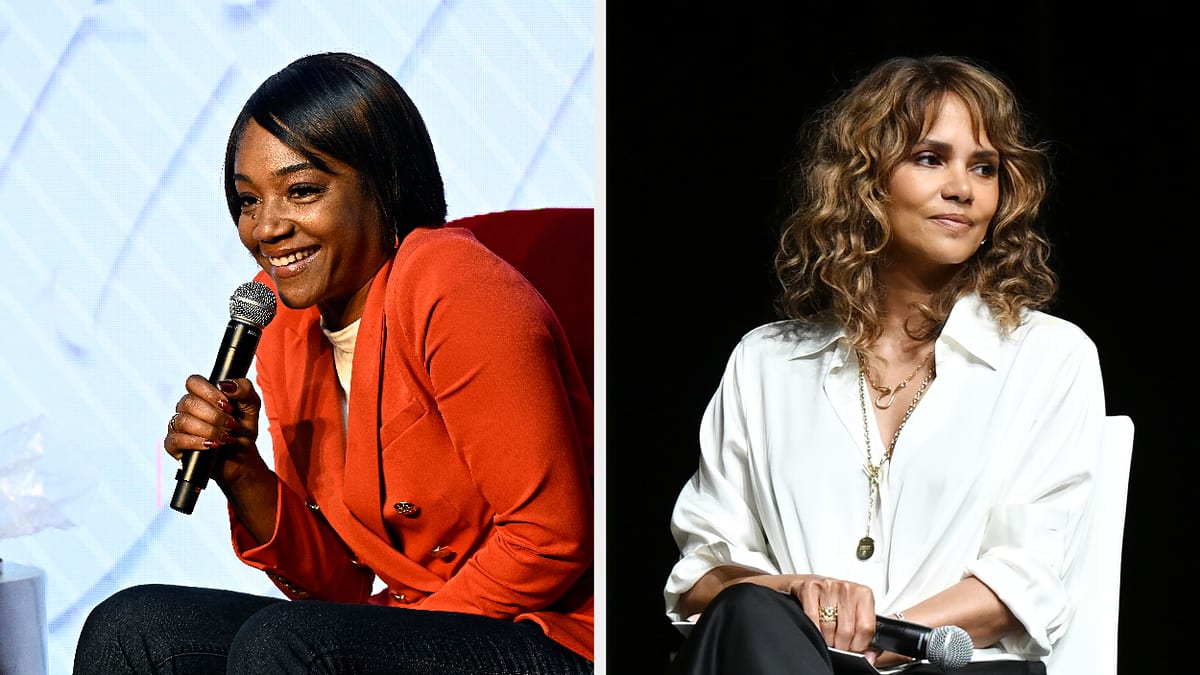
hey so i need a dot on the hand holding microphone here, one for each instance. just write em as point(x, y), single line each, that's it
point(251, 308)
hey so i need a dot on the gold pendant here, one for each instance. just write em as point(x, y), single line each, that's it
point(866, 548)
point(890, 396)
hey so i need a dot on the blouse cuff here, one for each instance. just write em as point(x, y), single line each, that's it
point(1038, 601)
point(699, 562)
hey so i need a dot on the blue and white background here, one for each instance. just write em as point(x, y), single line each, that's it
point(119, 256)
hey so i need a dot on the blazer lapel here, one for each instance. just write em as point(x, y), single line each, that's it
point(363, 480)
point(307, 389)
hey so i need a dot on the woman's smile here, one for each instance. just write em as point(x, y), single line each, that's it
point(286, 265)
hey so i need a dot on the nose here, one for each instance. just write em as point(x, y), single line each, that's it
point(270, 222)
point(957, 187)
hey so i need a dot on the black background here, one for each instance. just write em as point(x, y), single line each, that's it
point(702, 108)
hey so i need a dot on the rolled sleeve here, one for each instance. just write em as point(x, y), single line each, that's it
point(1020, 543)
point(1033, 531)
point(714, 520)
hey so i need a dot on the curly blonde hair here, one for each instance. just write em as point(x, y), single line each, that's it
point(828, 257)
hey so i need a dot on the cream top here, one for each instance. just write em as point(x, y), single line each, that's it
point(343, 359)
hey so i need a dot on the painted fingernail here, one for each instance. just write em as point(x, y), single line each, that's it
point(224, 405)
point(233, 424)
point(227, 386)
point(226, 438)
point(211, 445)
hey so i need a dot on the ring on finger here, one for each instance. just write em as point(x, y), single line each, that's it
point(171, 424)
point(828, 614)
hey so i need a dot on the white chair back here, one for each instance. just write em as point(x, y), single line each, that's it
point(1094, 581)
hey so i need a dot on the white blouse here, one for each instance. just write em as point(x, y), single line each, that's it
point(989, 477)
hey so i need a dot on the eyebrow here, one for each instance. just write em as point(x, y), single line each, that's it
point(945, 148)
point(283, 171)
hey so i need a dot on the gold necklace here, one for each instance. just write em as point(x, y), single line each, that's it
point(866, 545)
point(890, 392)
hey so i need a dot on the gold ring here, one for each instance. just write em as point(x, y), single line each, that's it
point(828, 614)
point(171, 424)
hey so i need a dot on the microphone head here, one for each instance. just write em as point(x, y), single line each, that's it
point(950, 647)
point(252, 302)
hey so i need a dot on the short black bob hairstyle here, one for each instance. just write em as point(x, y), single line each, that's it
point(346, 107)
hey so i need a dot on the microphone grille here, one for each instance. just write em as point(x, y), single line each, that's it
point(950, 647)
point(253, 302)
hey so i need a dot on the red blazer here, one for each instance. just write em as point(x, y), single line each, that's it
point(465, 482)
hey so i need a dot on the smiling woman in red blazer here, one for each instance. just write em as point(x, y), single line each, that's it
point(430, 505)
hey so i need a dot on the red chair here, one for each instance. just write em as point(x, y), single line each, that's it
point(553, 248)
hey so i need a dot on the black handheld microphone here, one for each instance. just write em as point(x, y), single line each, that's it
point(947, 647)
point(251, 308)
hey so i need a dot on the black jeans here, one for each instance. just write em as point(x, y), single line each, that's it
point(749, 629)
point(176, 629)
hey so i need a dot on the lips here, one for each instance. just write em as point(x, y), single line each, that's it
point(953, 221)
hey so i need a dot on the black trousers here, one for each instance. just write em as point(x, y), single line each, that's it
point(749, 629)
point(178, 630)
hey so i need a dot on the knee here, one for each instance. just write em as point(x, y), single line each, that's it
point(115, 630)
point(279, 621)
point(109, 619)
point(743, 601)
point(266, 626)
point(276, 638)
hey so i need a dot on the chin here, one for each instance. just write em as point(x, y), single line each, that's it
point(292, 300)
point(959, 254)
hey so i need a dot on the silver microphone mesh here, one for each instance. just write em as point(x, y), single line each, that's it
point(950, 647)
point(253, 302)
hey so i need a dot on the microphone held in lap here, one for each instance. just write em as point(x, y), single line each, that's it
point(948, 647)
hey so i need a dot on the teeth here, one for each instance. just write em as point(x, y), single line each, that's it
point(291, 258)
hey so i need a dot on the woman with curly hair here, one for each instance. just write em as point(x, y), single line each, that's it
point(915, 438)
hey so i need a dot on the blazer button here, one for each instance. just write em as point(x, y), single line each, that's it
point(400, 597)
point(313, 505)
point(442, 553)
point(355, 561)
point(407, 509)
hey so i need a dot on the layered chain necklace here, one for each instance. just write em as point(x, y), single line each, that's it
point(866, 545)
point(889, 393)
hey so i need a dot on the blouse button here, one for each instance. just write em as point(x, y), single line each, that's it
point(407, 509)
point(313, 505)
